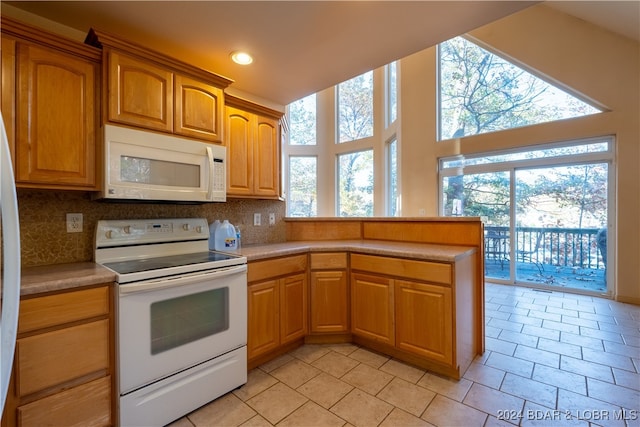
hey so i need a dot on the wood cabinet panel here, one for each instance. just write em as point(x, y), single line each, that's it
point(372, 308)
point(260, 270)
point(329, 301)
point(8, 89)
point(264, 318)
point(51, 358)
point(266, 162)
point(424, 323)
point(140, 93)
point(198, 109)
point(411, 269)
point(329, 260)
point(239, 140)
point(85, 405)
point(57, 309)
point(293, 308)
point(56, 118)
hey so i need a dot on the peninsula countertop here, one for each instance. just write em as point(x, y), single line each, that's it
point(58, 277)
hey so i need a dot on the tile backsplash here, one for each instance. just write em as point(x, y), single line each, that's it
point(43, 214)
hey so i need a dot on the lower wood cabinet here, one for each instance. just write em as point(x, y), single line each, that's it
point(329, 293)
point(277, 304)
point(63, 365)
point(372, 311)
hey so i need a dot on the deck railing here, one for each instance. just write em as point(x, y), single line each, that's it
point(566, 247)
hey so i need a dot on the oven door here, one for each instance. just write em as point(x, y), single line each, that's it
point(168, 325)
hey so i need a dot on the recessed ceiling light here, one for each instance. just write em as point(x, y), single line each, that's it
point(242, 58)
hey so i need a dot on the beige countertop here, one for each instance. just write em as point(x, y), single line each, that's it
point(57, 277)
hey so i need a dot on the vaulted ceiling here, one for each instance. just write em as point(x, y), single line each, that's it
point(299, 47)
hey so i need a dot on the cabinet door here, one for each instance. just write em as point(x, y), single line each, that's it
point(140, 94)
point(239, 130)
point(329, 297)
point(266, 158)
point(198, 109)
point(264, 315)
point(8, 90)
point(293, 308)
point(56, 133)
point(85, 405)
point(423, 320)
point(372, 308)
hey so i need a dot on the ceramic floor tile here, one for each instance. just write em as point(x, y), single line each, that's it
point(563, 348)
point(295, 373)
point(535, 415)
point(335, 364)
point(613, 360)
point(541, 332)
point(582, 341)
point(500, 346)
point(400, 418)
point(603, 335)
point(530, 390)
point(277, 402)
point(492, 401)
point(483, 374)
point(586, 368)
point(621, 349)
point(627, 379)
point(227, 410)
point(368, 357)
point(614, 394)
point(367, 378)
point(538, 356)
point(362, 409)
point(257, 421)
point(580, 321)
point(402, 370)
point(579, 406)
point(446, 412)
point(276, 363)
point(519, 338)
point(344, 348)
point(309, 353)
point(311, 415)
point(453, 389)
point(182, 422)
point(257, 381)
point(561, 379)
point(510, 364)
point(325, 390)
point(406, 396)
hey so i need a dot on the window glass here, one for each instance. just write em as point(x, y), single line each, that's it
point(392, 178)
point(303, 187)
point(355, 182)
point(355, 108)
point(392, 93)
point(302, 118)
point(481, 92)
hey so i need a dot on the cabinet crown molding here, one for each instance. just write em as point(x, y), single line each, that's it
point(102, 40)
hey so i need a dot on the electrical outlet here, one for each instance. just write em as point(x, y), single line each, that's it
point(272, 219)
point(257, 219)
point(74, 223)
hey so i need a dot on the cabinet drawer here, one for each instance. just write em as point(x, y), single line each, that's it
point(329, 260)
point(85, 405)
point(52, 310)
point(52, 358)
point(420, 270)
point(261, 270)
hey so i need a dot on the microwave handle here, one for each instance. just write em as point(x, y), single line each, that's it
point(211, 173)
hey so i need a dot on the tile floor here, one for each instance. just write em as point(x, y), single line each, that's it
point(552, 359)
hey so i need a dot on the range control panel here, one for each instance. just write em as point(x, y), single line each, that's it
point(144, 231)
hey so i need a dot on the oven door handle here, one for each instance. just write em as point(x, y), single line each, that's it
point(181, 280)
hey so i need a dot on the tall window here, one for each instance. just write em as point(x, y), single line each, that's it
point(393, 197)
point(303, 187)
point(355, 181)
point(481, 92)
point(355, 108)
point(391, 92)
point(302, 118)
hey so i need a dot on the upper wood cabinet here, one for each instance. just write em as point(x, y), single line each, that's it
point(150, 90)
point(253, 138)
point(49, 104)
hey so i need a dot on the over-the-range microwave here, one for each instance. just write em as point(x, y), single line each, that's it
point(141, 165)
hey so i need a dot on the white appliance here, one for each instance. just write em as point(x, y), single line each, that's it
point(143, 165)
point(10, 267)
point(181, 317)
